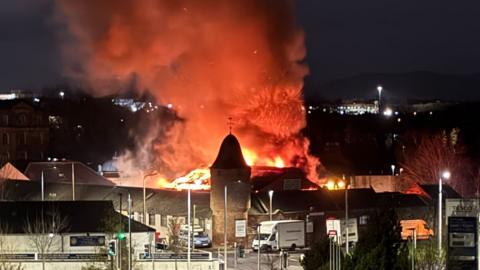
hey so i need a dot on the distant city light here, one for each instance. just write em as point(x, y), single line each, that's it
point(61, 94)
point(36, 100)
point(341, 184)
point(446, 175)
point(170, 105)
point(388, 112)
point(8, 96)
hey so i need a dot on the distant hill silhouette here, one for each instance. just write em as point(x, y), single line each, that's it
point(402, 86)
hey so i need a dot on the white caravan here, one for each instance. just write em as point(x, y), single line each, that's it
point(280, 234)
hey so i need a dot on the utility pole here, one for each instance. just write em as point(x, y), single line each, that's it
point(189, 238)
point(119, 241)
point(225, 232)
point(259, 247)
point(73, 181)
point(129, 232)
point(43, 187)
point(346, 219)
point(193, 226)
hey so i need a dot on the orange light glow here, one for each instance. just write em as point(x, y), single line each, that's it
point(249, 156)
point(198, 179)
point(279, 162)
point(330, 184)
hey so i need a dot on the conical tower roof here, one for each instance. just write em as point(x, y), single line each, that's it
point(230, 155)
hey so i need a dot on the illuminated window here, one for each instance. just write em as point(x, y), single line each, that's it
point(363, 220)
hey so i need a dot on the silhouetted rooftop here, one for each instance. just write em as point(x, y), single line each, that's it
point(81, 216)
point(230, 155)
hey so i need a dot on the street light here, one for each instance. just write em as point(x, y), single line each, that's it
point(144, 219)
point(379, 89)
point(445, 175)
point(270, 195)
point(259, 246)
point(393, 169)
point(189, 203)
point(129, 200)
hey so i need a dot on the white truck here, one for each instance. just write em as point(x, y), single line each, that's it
point(280, 234)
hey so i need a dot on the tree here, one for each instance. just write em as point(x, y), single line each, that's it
point(174, 234)
point(381, 246)
point(43, 230)
point(6, 248)
point(431, 155)
point(317, 256)
point(427, 256)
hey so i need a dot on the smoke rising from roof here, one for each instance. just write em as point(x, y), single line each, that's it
point(209, 59)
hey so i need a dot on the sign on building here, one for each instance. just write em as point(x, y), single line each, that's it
point(240, 228)
point(462, 243)
point(87, 241)
point(461, 208)
point(309, 227)
point(333, 227)
point(352, 230)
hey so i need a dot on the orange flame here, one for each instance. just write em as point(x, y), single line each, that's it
point(249, 156)
point(198, 179)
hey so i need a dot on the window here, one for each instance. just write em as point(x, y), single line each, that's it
point(363, 220)
point(22, 119)
point(201, 222)
point(151, 219)
point(5, 119)
point(20, 139)
point(163, 221)
point(5, 139)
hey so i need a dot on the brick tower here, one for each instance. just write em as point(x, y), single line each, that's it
point(231, 170)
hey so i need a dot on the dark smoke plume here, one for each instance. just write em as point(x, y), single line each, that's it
point(210, 59)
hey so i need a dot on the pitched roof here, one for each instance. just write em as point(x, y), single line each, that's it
point(325, 200)
point(448, 191)
point(230, 155)
point(9, 172)
point(164, 202)
point(62, 172)
point(81, 216)
point(271, 178)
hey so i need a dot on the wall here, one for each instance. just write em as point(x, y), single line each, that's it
point(379, 183)
point(164, 265)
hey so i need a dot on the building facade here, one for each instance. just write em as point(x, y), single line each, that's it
point(24, 132)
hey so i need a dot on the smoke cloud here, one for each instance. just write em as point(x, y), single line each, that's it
point(209, 59)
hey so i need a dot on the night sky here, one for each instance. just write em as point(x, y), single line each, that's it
point(343, 38)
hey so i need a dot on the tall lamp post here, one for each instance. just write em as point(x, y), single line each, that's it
point(189, 203)
point(270, 195)
point(346, 217)
point(445, 175)
point(225, 227)
point(73, 181)
point(129, 200)
point(144, 219)
point(379, 89)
